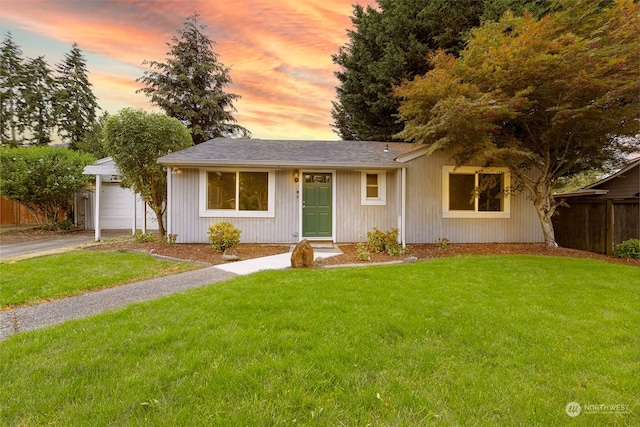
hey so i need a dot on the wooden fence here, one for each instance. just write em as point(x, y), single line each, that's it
point(14, 213)
point(597, 225)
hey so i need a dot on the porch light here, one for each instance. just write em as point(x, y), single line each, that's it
point(296, 175)
point(176, 171)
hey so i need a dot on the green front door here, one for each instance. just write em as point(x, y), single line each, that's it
point(317, 209)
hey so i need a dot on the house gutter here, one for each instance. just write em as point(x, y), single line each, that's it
point(201, 163)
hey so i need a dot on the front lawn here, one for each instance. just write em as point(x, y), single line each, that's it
point(499, 340)
point(37, 279)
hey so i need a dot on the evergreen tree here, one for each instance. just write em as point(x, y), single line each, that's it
point(37, 114)
point(389, 45)
point(93, 140)
point(76, 105)
point(11, 86)
point(189, 86)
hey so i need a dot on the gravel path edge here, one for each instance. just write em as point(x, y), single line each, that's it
point(58, 311)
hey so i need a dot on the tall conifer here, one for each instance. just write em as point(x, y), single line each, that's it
point(76, 105)
point(190, 85)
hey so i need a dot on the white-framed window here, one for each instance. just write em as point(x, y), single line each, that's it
point(374, 188)
point(475, 192)
point(237, 193)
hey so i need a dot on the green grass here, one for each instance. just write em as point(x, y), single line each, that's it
point(37, 279)
point(501, 340)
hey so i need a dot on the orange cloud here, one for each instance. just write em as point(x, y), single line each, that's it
point(279, 51)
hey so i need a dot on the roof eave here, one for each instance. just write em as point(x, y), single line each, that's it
point(100, 170)
point(413, 154)
point(582, 193)
point(195, 163)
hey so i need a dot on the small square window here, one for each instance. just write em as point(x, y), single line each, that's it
point(374, 188)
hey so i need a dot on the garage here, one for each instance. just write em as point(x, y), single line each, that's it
point(117, 206)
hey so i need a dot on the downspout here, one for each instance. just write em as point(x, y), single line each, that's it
point(84, 200)
point(144, 217)
point(403, 209)
point(97, 207)
point(135, 214)
point(168, 208)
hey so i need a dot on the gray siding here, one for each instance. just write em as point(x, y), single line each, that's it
point(191, 228)
point(353, 219)
point(425, 224)
point(424, 221)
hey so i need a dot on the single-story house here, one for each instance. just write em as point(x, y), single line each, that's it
point(280, 191)
point(107, 206)
point(603, 214)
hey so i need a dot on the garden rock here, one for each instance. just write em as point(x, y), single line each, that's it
point(302, 256)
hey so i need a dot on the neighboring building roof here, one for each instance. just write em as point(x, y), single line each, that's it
point(284, 153)
point(621, 185)
point(620, 174)
point(105, 166)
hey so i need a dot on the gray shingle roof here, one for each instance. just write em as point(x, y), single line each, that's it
point(284, 153)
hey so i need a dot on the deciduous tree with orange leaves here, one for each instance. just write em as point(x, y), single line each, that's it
point(547, 97)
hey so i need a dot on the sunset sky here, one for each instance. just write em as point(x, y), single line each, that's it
point(279, 51)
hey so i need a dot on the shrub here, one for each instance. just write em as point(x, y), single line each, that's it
point(49, 226)
point(363, 253)
point(223, 236)
point(443, 243)
point(375, 240)
point(44, 179)
point(384, 242)
point(171, 239)
point(66, 224)
point(628, 249)
point(141, 237)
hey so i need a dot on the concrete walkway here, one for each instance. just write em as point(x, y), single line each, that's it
point(273, 262)
point(94, 302)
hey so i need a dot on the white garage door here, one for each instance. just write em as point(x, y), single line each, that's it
point(116, 207)
point(116, 210)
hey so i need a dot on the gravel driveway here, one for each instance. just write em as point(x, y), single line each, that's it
point(54, 242)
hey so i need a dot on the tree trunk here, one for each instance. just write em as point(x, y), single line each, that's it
point(545, 208)
point(161, 229)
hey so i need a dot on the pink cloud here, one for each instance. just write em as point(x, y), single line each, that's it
point(279, 51)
